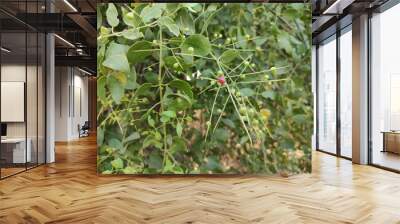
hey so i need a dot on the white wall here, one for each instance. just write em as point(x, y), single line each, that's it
point(71, 94)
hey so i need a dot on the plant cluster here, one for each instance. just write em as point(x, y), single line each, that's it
point(187, 88)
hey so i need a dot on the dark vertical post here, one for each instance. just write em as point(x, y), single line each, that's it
point(338, 73)
point(317, 96)
point(45, 90)
point(1, 164)
point(37, 90)
point(369, 90)
point(26, 86)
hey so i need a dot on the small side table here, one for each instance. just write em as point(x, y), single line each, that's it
point(391, 141)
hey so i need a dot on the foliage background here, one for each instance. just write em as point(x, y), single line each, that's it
point(187, 88)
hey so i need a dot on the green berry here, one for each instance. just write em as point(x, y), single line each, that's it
point(219, 35)
point(220, 73)
point(246, 63)
point(176, 65)
point(273, 70)
point(150, 69)
point(154, 41)
point(213, 82)
point(228, 40)
point(242, 76)
point(242, 110)
point(190, 49)
point(104, 31)
point(253, 65)
point(208, 123)
point(247, 36)
point(129, 15)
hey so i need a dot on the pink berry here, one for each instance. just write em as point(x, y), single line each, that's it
point(221, 80)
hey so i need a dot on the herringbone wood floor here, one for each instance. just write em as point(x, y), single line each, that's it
point(70, 192)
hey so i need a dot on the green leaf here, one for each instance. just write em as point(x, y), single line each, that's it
point(116, 49)
point(170, 24)
point(169, 113)
point(100, 136)
point(179, 129)
point(170, 62)
point(229, 55)
point(116, 57)
point(107, 172)
point(132, 137)
point(200, 44)
point(299, 118)
point(178, 145)
point(150, 121)
point(171, 7)
point(144, 89)
point(246, 92)
point(117, 62)
point(115, 143)
point(165, 119)
point(168, 166)
point(139, 51)
point(150, 140)
point(243, 139)
point(101, 88)
point(221, 134)
point(185, 22)
point(112, 15)
point(212, 163)
point(129, 170)
point(229, 123)
point(132, 34)
point(183, 86)
point(131, 80)
point(152, 12)
point(116, 89)
point(155, 161)
point(284, 42)
point(131, 19)
point(117, 163)
point(121, 77)
point(269, 94)
point(193, 7)
point(99, 18)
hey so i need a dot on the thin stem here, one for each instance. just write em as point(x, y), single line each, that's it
point(160, 80)
point(212, 110)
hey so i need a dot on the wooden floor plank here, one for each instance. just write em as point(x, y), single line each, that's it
point(69, 191)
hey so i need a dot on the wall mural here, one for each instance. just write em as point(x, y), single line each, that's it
point(191, 88)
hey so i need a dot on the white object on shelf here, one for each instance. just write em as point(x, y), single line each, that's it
point(12, 101)
point(19, 155)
